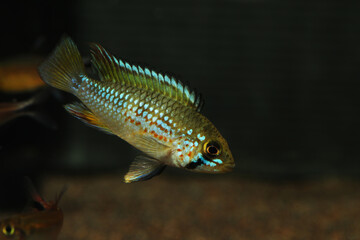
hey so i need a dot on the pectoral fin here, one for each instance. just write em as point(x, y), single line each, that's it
point(143, 168)
point(150, 145)
point(81, 112)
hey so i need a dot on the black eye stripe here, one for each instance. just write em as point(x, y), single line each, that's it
point(193, 165)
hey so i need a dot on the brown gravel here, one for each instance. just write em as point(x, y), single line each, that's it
point(197, 208)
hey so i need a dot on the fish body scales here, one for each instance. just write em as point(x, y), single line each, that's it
point(129, 111)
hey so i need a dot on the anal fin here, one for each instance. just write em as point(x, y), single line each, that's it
point(81, 112)
point(143, 168)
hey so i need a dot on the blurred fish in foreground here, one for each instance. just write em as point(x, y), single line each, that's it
point(12, 110)
point(153, 112)
point(42, 222)
point(20, 75)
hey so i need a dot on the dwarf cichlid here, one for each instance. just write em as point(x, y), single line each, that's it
point(43, 222)
point(153, 112)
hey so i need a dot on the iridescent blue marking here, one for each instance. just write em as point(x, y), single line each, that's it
point(111, 98)
point(203, 160)
point(201, 138)
point(141, 71)
point(121, 64)
point(134, 68)
point(147, 72)
point(217, 161)
point(174, 83)
point(145, 113)
point(128, 67)
point(154, 74)
point(161, 78)
point(167, 79)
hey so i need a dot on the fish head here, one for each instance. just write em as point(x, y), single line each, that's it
point(212, 154)
point(9, 230)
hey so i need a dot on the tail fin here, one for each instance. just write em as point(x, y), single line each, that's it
point(63, 67)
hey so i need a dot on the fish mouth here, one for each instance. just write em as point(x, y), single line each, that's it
point(227, 167)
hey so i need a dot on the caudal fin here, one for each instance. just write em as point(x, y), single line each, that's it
point(64, 67)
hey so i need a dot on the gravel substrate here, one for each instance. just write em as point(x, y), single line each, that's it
point(207, 207)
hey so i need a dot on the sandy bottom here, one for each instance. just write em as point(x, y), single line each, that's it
point(199, 208)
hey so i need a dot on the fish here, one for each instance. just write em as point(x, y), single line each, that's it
point(20, 75)
point(155, 113)
point(42, 222)
point(13, 110)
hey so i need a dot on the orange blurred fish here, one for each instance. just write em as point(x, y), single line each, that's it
point(155, 113)
point(43, 222)
point(20, 75)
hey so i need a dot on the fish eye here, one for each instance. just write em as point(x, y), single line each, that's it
point(8, 230)
point(212, 149)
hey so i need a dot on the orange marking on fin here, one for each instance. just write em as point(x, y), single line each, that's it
point(165, 139)
point(179, 150)
point(84, 114)
point(160, 137)
point(132, 120)
point(138, 123)
point(155, 135)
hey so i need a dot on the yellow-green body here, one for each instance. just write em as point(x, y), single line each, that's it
point(156, 114)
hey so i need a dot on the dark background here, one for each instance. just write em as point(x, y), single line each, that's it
point(280, 80)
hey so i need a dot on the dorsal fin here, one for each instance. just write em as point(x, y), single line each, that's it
point(115, 70)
